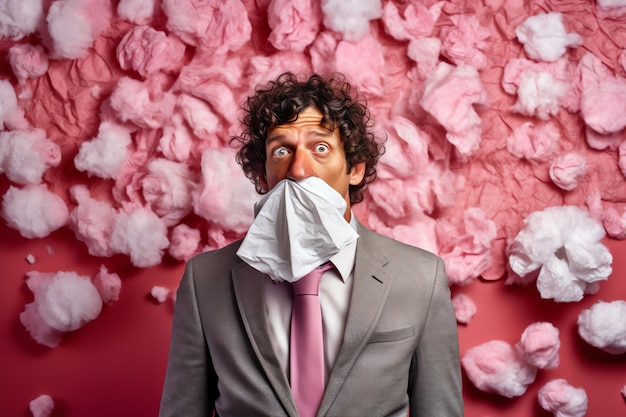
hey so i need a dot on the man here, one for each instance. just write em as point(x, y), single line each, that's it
point(390, 339)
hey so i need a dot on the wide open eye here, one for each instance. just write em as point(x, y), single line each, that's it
point(280, 152)
point(321, 148)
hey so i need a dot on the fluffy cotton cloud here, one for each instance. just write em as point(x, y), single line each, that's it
point(28, 61)
point(104, 154)
point(604, 326)
point(64, 302)
point(34, 211)
point(25, 155)
point(495, 366)
point(92, 221)
point(564, 244)
point(140, 234)
point(351, 18)
point(140, 12)
point(42, 406)
point(464, 308)
point(20, 18)
point(74, 25)
point(562, 399)
point(539, 345)
point(544, 36)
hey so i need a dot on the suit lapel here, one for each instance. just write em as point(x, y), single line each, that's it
point(369, 291)
point(248, 284)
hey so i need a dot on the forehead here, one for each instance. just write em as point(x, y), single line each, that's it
point(309, 117)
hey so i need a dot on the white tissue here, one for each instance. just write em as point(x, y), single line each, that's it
point(298, 226)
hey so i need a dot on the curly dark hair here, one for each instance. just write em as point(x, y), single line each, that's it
point(282, 100)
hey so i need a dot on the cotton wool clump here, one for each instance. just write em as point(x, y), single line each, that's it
point(496, 366)
point(562, 399)
point(42, 406)
point(545, 38)
point(34, 211)
point(25, 155)
point(63, 301)
point(562, 243)
point(140, 234)
point(351, 18)
point(539, 345)
point(604, 326)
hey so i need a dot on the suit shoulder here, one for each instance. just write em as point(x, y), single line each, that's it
point(226, 255)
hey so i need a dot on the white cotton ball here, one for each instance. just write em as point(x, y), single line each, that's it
point(142, 235)
point(25, 155)
point(351, 17)
point(139, 12)
point(562, 399)
point(544, 37)
point(67, 301)
point(604, 326)
point(19, 18)
point(34, 211)
point(227, 204)
point(104, 155)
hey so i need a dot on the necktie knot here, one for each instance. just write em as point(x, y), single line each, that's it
point(310, 283)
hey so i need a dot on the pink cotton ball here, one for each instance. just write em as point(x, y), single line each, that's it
point(184, 242)
point(495, 366)
point(539, 345)
point(562, 399)
point(161, 294)
point(92, 221)
point(38, 329)
point(28, 61)
point(67, 301)
point(108, 285)
point(147, 50)
point(42, 406)
point(25, 155)
point(464, 308)
point(567, 170)
point(34, 211)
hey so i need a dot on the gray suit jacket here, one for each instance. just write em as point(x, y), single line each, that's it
point(400, 347)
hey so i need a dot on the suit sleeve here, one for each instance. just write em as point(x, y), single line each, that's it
point(435, 387)
point(190, 387)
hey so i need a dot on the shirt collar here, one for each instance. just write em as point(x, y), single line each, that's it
point(344, 260)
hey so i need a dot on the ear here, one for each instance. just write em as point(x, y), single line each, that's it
point(357, 173)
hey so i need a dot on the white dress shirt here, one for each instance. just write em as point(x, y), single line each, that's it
point(335, 291)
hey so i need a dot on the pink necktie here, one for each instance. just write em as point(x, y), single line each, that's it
point(307, 343)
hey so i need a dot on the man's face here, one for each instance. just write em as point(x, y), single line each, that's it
point(305, 148)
